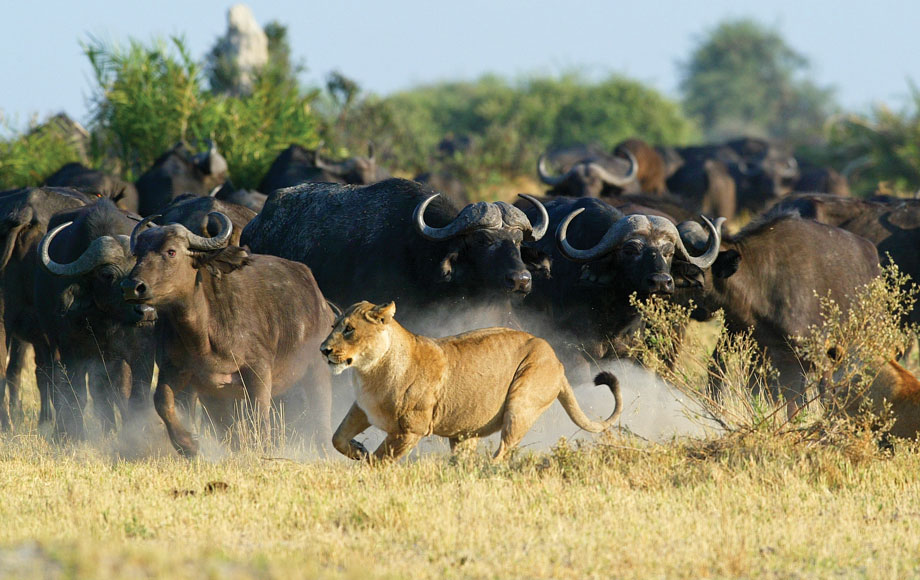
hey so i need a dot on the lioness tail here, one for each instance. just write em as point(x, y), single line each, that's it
point(572, 408)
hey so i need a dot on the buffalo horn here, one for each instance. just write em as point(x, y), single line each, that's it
point(537, 231)
point(694, 237)
point(619, 180)
point(203, 244)
point(614, 236)
point(545, 177)
point(102, 250)
point(474, 216)
point(137, 229)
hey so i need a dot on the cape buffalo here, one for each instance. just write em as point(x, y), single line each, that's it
point(769, 277)
point(296, 165)
point(593, 175)
point(196, 214)
point(816, 179)
point(232, 326)
point(893, 226)
point(651, 167)
point(91, 330)
point(397, 240)
point(598, 259)
point(24, 217)
point(707, 185)
point(95, 182)
point(178, 172)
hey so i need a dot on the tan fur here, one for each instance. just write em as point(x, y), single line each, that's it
point(460, 387)
point(900, 388)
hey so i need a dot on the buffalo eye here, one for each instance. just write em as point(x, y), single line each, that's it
point(171, 253)
point(632, 249)
point(667, 249)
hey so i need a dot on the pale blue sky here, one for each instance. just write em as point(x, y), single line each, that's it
point(867, 50)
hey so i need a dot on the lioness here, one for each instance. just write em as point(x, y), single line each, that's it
point(460, 387)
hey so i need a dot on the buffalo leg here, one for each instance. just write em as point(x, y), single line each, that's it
point(6, 389)
point(19, 352)
point(105, 383)
point(68, 395)
point(45, 368)
point(258, 382)
point(354, 423)
point(164, 401)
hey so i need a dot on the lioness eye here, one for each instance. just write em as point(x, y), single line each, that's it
point(349, 330)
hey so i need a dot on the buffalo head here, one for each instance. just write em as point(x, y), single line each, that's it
point(591, 177)
point(169, 259)
point(483, 243)
point(95, 277)
point(636, 253)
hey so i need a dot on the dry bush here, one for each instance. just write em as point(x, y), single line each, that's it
point(734, 385)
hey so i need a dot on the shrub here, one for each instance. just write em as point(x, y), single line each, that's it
point(149, 97)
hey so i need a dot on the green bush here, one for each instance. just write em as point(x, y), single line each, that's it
point(149, 97)
point(27, 159)
point(510, 123)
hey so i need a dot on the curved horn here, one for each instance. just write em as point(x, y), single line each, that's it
point(616, 180)
point(474, 216)
point(102, 250)
point(538, 230)
point(615, 234)
point(137, 229)
point(337, 168)
point(203, 244)
point(551, 180)
point(708, 257)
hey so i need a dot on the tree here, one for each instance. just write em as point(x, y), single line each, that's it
point(743, 78)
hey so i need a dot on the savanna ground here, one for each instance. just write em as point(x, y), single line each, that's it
point(761, 497)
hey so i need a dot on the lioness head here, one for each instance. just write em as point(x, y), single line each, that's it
point(359, 336)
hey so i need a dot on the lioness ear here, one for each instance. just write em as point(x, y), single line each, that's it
point(382, 313)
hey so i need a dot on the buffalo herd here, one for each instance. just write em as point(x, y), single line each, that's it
point(229, 293)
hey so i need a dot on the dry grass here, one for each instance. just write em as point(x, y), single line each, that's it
point(620, 508)
point(748, 502)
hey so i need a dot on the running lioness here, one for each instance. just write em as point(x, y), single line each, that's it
point(460, 387)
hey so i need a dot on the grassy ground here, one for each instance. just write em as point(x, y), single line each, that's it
point(618, 507)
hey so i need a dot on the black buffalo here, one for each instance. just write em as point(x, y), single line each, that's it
point(98, 340)
point(892, 225)
point(178, 172)
point(296, 165)
point(769, 276)
point(233, 327)
point(95, 183)
point(587, 172)
point(395, 240)
point(599, 258)
point(197, 214)
point(24, 217)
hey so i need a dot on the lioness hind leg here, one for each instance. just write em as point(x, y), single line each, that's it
point(517, 422)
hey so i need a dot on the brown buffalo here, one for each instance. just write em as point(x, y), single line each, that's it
point(232, 327)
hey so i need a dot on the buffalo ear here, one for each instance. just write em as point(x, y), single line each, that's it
point(539, 263)
point(222, 261)
point(447, 266)
point(72, 299)
point(382, 313)
point(726, 264)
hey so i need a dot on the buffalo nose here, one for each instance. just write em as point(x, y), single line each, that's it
point(133, 289)
point(660, 284)
point(519, 281)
